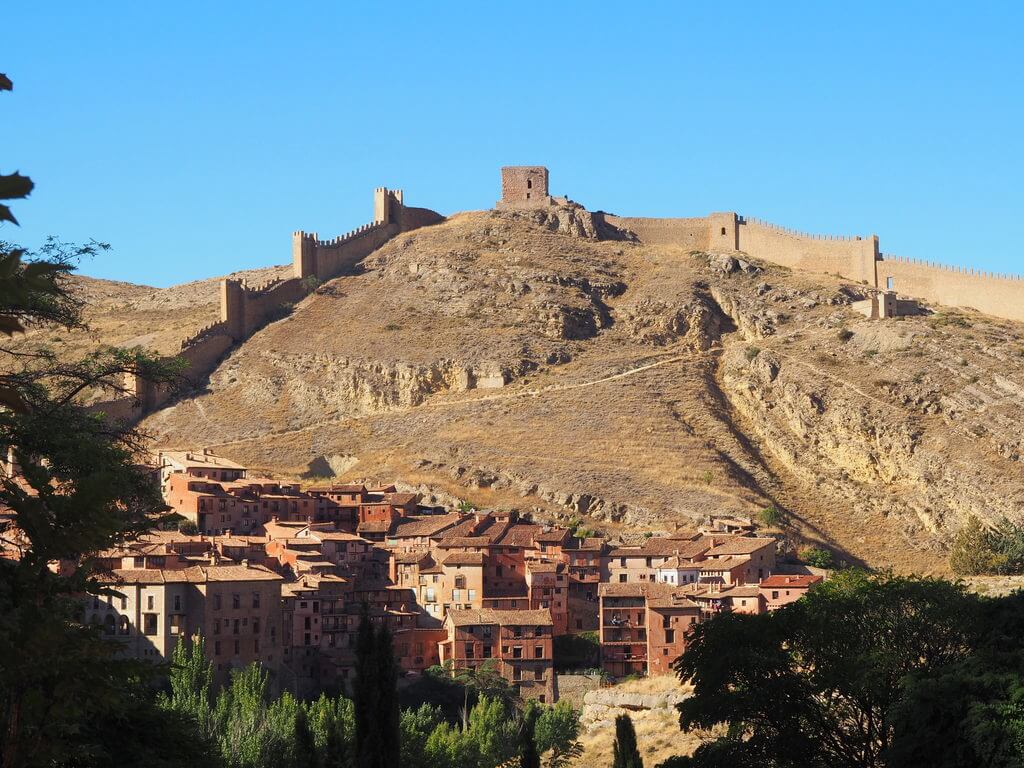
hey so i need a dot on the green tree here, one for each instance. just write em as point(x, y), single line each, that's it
point(529, 754)
point(376, 699)
point(191, 681)
point(388, 714)
point(306, 753)
point(484, 679)
point(332, 723)
point(368, 748)
point(79, 492)
point(243, 733)
point(971, 553)
point(416, 727)
point(770, 516)
point(817, 683)
point(558, 730)
point(625, 753)
point(817, 557)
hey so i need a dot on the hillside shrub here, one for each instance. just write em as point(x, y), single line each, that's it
point(817, 557)
point(978, 550)
point(770, 516)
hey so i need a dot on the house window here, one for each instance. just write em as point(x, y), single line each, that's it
point(517, 652)
point(670, 635)
point(775, 595)
point(469, 650)
point(538, 674)
point(890, 283)
point(177, 602)
point(236, 600)
point(460, 582)
point(538, 652)
point(149, 602)
point(216, 647)
point(124, 625)
point(256, 625)
point(255, 599)
point(216, 602)
point(487, 651)
point(238, 647)
point(149, 623)
point(108, 624)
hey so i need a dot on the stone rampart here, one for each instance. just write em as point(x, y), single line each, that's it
point(687, 233)
point(855, 258)
point(994, 294)
point(851, 257)
point(244, 309)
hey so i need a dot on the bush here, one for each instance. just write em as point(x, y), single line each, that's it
point(752, 352)
point(978, 550)
point(188, 528)
point(845, 334)
point(817, 557)
point(581, 651)
point(770, 516)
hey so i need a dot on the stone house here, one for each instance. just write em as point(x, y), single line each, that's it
point(517, 642)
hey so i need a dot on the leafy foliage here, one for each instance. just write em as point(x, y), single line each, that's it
point(864, 671)
point(979, 550)
point(770, 516)
point(817, 557)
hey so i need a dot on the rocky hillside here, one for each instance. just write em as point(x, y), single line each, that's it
point(644, 386)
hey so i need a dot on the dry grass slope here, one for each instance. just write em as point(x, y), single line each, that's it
point(645, 386)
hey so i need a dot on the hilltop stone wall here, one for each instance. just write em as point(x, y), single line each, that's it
point(998, 295)
point(852, 257)
point(244, 309)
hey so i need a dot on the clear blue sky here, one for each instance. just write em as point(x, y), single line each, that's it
point(194, 137)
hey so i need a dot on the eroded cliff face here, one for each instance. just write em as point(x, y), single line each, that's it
point(519, 360)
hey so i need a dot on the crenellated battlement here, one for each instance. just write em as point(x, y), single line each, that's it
point(797, 233)
point(959, 270)
point(245, 308)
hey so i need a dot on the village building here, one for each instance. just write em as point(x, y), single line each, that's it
point(235, 607)
point(519, 643)
point(643, 627)
point(781, 589)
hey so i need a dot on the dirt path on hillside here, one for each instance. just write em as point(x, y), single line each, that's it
point(434, 404)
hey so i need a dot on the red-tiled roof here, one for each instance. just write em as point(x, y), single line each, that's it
point(785, 581)
point(477, 616)
point(740, 545)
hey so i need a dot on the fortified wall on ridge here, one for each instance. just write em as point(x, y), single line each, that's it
point(855, 258)
point(245, 309)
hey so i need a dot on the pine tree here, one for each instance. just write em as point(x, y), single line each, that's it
point(624, 750)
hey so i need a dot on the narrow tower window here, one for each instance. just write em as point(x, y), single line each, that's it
point(529, 183)
point(723, 230)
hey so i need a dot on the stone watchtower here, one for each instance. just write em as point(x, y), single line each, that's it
point(524, 186)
